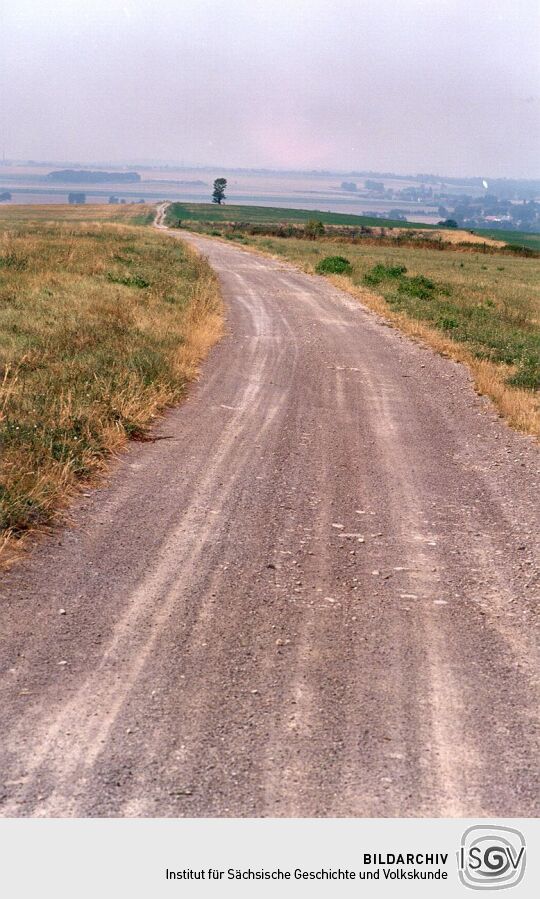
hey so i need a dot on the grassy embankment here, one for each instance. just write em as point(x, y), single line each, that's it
point(480, 308)
point(101, 327)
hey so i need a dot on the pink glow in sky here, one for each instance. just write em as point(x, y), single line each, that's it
point(449, 86)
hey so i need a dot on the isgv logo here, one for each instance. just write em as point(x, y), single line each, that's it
point(491, 857)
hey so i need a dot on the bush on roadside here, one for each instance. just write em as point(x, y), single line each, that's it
point(380, 272)
point(314, 229)
point(417, 286)
point(333, 265)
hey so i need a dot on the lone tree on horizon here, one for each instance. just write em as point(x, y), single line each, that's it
point(218, 194)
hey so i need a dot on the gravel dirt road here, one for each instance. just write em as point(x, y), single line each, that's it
point(314, 598)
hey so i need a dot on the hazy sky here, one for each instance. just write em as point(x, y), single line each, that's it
point(447, 86)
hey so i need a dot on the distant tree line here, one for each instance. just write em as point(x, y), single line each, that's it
point(377, 186)
point(75, 176)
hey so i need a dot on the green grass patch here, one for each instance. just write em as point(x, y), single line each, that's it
point(490, 332)
point(128, 280)
point(381, 272)
point(333, 265)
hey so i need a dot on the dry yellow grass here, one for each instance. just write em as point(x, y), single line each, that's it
point(127, 213)
point(101, 327)
point(450, 235)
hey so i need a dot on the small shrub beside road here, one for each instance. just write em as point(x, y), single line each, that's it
point(333, 265)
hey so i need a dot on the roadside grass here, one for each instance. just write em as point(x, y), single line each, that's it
point(101, 327)
point(483, 310)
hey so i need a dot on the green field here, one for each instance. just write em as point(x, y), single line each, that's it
point(212, 212)
point(518, 238)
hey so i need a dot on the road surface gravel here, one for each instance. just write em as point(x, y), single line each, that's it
point(314, 598)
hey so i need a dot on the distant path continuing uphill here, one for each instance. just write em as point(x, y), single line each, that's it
point(314, 599)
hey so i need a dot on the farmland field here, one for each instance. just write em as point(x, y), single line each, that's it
point(518, 238)
point(208, 212)
point(126, 213)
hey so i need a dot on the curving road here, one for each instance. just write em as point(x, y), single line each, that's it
point(314, 599)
